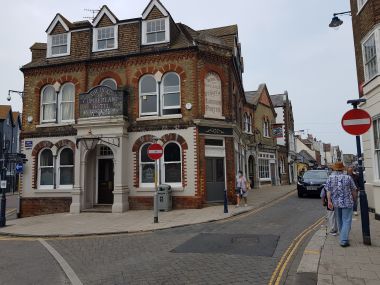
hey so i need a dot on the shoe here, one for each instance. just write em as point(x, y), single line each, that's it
point(245, 205)
point(355, 213)
point(237, 206)
point(345, 244)
point(333, 233)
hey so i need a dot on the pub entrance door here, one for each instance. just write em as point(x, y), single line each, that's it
point(215, 181)
point(105, 181)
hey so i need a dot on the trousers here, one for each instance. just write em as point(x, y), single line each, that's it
point(332, 221)
point(344, 217)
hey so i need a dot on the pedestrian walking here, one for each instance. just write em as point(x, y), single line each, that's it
point(332, 225)
point(355, 177)
point(341, 193)
point(241, 189)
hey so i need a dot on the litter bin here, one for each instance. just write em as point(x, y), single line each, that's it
point(164, 197)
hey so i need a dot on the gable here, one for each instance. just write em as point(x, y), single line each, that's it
point(58, 29)
point(152, 6)
point(105, 21)
point(155, 13)
point(58, 19)
point(265, 100)
point(104, 12)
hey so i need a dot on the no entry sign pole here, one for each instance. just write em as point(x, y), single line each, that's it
point(362, 194)
point(155, 152)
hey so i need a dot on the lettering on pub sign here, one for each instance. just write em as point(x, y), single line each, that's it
point(213, 94)
point(101, 101)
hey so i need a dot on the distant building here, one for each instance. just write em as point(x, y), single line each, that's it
point(366, 30)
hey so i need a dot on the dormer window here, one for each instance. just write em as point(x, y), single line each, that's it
point(59, 44)
point(106, 38)
point(155, 31)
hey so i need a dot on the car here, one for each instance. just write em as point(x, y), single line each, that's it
point(312, 182)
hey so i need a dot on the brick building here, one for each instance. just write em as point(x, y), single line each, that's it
point(366, 30)
point(98, 93)
point(287, 154)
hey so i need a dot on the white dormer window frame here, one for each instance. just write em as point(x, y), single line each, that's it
point(155, 29)
point(95, 38)
point(361, 4)
point(60, 42)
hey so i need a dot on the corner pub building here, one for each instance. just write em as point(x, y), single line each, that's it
point(98, 93)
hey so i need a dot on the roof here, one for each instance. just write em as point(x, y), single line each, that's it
point(221, 31)
point(306, 156)
point(253, 97)
point(4, 111)
point(277, 100)
point(39, 46)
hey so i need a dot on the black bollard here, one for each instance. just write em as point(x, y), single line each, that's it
point(225, 202)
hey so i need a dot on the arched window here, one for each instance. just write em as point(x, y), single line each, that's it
point(250, 124)
point(46, 168)
point(147, 166)
point(67, 98)
point(171, 96)
point(48, 104)
point(148, 96)
point(66, 167)
point(266, 127)
point(172, 163)
point(110, 82)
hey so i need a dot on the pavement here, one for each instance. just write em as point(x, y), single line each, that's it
point(324, 258)
point(137, 220)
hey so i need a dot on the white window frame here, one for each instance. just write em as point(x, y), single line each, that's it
point(141, 95)
point(261, 170)
point(39, 169)
point(42, 120)
point(142, 184)
point(266, 127)
point(50, 45)
point(68, 186)
point(162, 93)
point(110, 79)
point(95, 38)
point(60, 101)
point(361, 4)
point(371, 37)
point(163, 164)
point(144, 38)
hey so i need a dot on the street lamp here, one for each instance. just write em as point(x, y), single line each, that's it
point(20, 93)
point(336, 22)
point(90, 141)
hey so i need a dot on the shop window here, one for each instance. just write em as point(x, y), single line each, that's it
point(264, 172)
point(172, 163)
point(109, 82)
point(46, 168)
point(66, 167)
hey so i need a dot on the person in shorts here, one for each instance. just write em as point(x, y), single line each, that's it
point(241, 189)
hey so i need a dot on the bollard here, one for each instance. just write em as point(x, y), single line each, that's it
point(225, 202)
point(155, 202)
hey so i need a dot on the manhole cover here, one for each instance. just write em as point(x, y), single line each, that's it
point(239, 244)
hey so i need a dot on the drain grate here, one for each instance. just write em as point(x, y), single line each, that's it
point(236, 244)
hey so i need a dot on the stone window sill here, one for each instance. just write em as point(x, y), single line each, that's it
point(69, 190)
point(167, 117)
point(49, 125)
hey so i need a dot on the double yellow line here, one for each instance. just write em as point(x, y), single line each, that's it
point(290, 252)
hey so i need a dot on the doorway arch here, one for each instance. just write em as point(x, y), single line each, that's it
point(251, 170)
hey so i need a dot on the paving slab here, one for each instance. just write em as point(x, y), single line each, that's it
point(136, 221)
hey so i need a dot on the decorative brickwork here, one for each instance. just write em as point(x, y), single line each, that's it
point(104, 22)
point(155, 13)
point(58, 29)
point(107, 74)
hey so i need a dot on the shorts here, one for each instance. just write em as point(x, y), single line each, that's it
point(238, 191)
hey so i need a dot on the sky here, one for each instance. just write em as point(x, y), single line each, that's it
point(286, 44)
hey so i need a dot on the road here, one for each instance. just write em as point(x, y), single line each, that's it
point(243, 250)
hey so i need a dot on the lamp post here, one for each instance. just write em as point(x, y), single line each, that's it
point(3, 184)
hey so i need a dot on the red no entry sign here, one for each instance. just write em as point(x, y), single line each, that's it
point(356, 122)
point(155, 151)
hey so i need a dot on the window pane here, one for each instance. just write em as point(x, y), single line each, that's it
point(173, 172)
point(102, 44)
point(66, 176)
point(147, 173)
point(171, 99)
point(48, 112)
point(148, 85)
point(46, 158)
point(220, 170)
point(172, 152)
point(160, 36)
point(376, 133)
point(151, 38)
point(110, 43)
point(171, 80)
point(48, 95)
point(46, 176)
point(110, 83)
point(149, 104)
point(209, 170)
point(66, 157)
point(377, 158)
point(67, 110)
point(68, 92)
point(214, 142)
point(144, 154)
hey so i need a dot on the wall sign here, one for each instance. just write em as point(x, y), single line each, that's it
point(277, 131)
point(215, 131)
point(28, 144)
point(213, 96)
point(101, 101)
